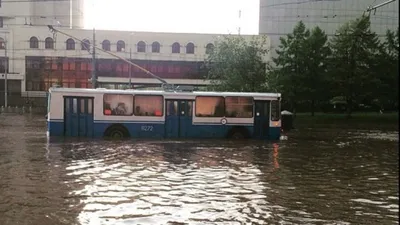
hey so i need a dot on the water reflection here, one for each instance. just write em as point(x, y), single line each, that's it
point(308, 179)
point(160, 183)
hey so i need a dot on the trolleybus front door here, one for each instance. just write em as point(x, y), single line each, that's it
point(261, 119)
point(178, 120)
point(78, 117)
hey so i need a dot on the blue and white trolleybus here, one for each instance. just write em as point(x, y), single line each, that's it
point(101, 112)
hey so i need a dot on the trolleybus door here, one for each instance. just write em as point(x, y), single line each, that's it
point(261, 119)
point(178, 119)
point(78, 117)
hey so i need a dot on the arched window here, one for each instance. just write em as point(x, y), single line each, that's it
point(33, 42)
point(70, 44)
point(106, 45)
point(155, 47)
point(2, 44)
point(190, 48)
point(49, 43)
point(176, 48)
point(141, 46)
point(85, 45)
point(209, 48)
point(120, 46)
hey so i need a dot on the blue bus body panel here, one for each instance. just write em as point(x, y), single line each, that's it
point(152, 130)
point(136, 130)
point(171, 126)
point(274, 133)
point(55, 128)
point(214, 131)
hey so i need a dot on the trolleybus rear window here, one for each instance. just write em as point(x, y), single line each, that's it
point(275, 110)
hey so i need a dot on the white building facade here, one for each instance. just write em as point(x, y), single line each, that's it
point(278, 17)
point(38, 58)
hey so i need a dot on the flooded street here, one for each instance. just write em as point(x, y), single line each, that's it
point(317, 176)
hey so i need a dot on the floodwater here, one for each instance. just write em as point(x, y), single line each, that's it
point(323, 176)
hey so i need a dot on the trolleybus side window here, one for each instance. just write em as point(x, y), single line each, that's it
point(172, 108)
point(90, 106)
point(75, 105)
point(82, 106)
point(210, 106)
point(118, 105)
point(148, 105)
point(66, 105)
point(239, 107)
point(275, 110)
point(190, 108)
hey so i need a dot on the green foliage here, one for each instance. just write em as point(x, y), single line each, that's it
point(388, 70)
point(302, 64)
point(355, 50)
point(237, 64)
point(310, 70)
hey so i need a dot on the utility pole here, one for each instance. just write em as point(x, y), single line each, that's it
point(94, 79)
point(130, 68)
point(5, 73)
point(240, 15)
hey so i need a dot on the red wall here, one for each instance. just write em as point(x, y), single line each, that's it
point(42, 72)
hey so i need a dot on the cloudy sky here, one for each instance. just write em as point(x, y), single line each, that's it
point(188, 16)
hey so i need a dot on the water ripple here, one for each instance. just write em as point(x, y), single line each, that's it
point(316, 176)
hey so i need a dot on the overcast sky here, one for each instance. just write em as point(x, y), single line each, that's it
point(187, 16)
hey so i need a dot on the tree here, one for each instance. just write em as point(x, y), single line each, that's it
point(354, 52)
point(388, 70)
point(315, 80)
point(291, 64)
point(237, 64)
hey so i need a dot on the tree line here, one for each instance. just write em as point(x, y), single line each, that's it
point(353, 70)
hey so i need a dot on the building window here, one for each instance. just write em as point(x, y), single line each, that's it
point(190, 48)
point(49, 43)
point(120, 46)
point(149, 105)
point(1, 18)
point(207, 106)
point(176, 48)
point(239, 107)
point(70, 44)
point(141, 46)
point(33, 42)
point(106, 45)
point(2, 44)
point(209, 48)
point(69, 66)
point(85, 45)
point(155, 47)
point(118, 105)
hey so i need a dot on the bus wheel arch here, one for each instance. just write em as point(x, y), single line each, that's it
point(117, 131)
point(238, 132)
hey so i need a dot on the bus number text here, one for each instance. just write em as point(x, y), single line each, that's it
point(147, 128)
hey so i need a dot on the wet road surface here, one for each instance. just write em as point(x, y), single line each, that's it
point(323, 176)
